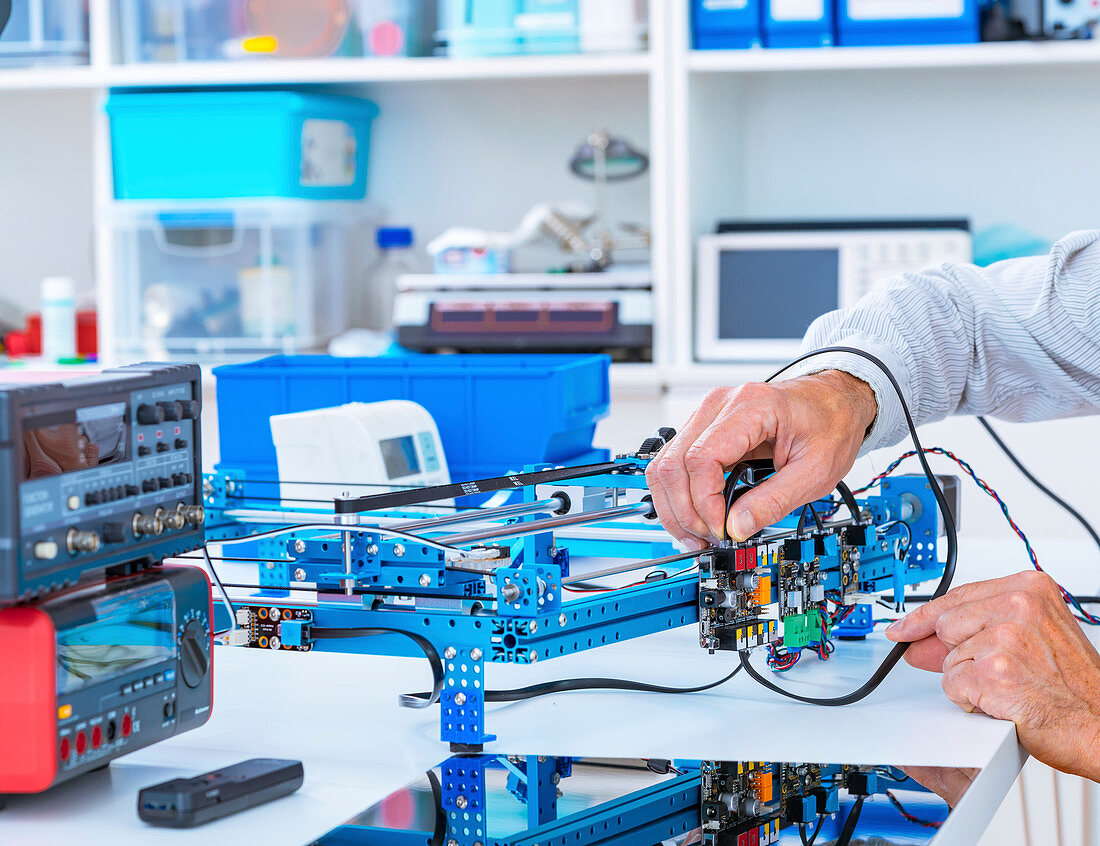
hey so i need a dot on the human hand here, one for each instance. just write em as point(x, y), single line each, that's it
point(949, 783)
point(810, 427)
point(1011, 648)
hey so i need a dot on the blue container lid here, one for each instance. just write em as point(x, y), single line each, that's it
point(394, 236)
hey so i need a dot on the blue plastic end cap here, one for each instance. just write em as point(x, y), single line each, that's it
point(394, 236)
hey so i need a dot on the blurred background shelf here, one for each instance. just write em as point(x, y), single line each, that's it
point(983, 55)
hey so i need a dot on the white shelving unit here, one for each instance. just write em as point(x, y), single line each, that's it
point(720, 127)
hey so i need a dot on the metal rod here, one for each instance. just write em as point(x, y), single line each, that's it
point(544, 506)
point(637, 565)
point(520, 530)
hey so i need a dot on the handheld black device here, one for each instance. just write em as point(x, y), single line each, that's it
point(186, 802)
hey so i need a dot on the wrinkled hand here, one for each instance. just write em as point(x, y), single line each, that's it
point(949, 783)
point(1011, 648)
point(811, 427)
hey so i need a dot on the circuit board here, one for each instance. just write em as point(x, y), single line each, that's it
point(262, 625)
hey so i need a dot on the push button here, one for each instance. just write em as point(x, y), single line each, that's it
point(92, 498)
point(162, 446)
point(181, 443)
point(164, 482)
point(149, 485)
point(45, 550)
point(144, 450)
point(132, 490)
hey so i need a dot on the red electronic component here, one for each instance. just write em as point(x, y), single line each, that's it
point(754, 837)
point(42, 694)
point(739, 560)
point(750, 557)
point(28, 700)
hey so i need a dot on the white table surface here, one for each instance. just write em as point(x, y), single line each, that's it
point(339, 715)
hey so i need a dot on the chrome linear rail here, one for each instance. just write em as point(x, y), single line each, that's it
point(519, 530)
point(544, 506)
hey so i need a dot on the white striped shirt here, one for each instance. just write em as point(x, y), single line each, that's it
point(1019, 339)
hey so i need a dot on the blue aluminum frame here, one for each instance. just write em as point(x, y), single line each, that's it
point(469, 628)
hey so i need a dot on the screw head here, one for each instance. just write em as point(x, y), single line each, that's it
point(533, 626)
point(533, 656)
point(461, 802)
point(299, 545)
point(449, 653)
point(562, 619)
point(475, 654)
point(452, 842)
point(425, 580)
point(399, 550)
point(460, 698)
point(299, 575)
point(372, 549)
point(555, 778)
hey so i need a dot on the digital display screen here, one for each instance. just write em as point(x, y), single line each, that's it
point(123, 632)
point(399, 456)
point(78, 439)
point(765, 294)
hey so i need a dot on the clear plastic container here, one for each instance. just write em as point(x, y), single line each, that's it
point(515, 27)
point(201, 280)
point(215, 30)
point(45, 32)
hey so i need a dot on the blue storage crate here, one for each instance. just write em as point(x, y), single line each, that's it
point(726, 24)
point(495, 413)
point(866, 23)
point(207, 144)
point(798, 23)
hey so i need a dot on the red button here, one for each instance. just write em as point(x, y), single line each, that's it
point(127, 725)
point(97, 737)
point(81, 743)
point(66, 748)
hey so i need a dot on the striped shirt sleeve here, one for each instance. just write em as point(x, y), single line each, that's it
point(1019, 339)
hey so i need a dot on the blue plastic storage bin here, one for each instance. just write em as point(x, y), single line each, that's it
point(864, 23)
point(210, 144)
point(726, 24)
point(495, 413)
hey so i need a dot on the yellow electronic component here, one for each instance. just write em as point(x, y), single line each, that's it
point(260, 44)
point(64, 712)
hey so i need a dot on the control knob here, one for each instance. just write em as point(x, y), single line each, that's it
point(150, 415)
point(194, 652)
point(190, 409)
point(172, 410)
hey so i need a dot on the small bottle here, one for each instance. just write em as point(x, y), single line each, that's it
point(396, 257)
point(58, 318)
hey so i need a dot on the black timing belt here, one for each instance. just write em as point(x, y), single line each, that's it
point(396, 499)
